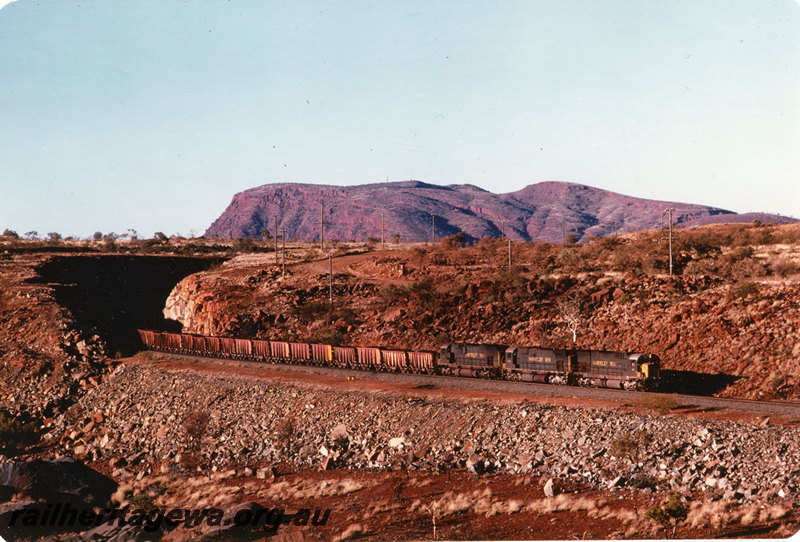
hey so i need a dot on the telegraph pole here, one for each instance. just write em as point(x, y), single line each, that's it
point(670, 211)
point(433, 229)
point(330, 278)
point(283, 273)
point(509, 254)
point(322, 228)
point(383, 233)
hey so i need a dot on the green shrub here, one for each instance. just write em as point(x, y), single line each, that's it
point(671, 513)
point(630, 446)
point(17, 431)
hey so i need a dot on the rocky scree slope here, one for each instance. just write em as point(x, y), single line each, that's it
point(544, 211)
point(46, 362)
point(137, 419)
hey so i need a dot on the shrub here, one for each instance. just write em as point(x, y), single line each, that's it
point(326, 335)
point(313, 310)
point(742, 289)
point(196, 424)
point(671, 513)
point(17, 431)
point(454, 241)
point(776, 380)
point(567, 259)
point(644, 482)
point(286, 433)
point(423, 290)
point(630, 446)
point(142, 501)
point(243, 244)
point(393, 292)
point(784, 267)
point(658, 402)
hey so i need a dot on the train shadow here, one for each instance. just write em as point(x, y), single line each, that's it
point(694, 409)
point(694, 383)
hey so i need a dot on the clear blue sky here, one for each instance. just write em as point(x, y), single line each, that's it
point(151, 114)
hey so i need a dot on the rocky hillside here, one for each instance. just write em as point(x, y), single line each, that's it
point(546, 211)
point(727, 325)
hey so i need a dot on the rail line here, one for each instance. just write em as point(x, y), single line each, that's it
point(785, 412)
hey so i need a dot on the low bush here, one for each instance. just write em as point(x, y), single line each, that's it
point(671, 513)
point(659, 402)
point(644, 482)
point(742, 289)
point(17, 431)
point(630, 446)
point(196, 425)
point(784, 267)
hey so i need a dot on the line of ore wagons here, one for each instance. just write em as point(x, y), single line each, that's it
point(581, 367)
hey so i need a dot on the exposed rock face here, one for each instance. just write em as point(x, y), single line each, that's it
point(544, 211)
point(188, 302)
point(745, 346)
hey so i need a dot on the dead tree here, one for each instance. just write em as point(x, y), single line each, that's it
point(570, 312)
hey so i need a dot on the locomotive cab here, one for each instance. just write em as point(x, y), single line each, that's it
point(648, 369)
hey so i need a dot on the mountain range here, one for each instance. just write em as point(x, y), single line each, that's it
point(546, 211)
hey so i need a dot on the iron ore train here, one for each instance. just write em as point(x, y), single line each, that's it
point(521, 363)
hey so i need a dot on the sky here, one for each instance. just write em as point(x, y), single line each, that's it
point(152, 114)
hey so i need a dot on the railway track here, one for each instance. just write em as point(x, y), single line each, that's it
point(787, 412)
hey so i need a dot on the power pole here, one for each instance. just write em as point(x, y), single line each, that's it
point(330, 278)
point(509, 254)
point(322, 228)
point(276, 239)
point(283, 273)
point(383, 233)
point(670, 211)
point(433, 229)
point(563, 233)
